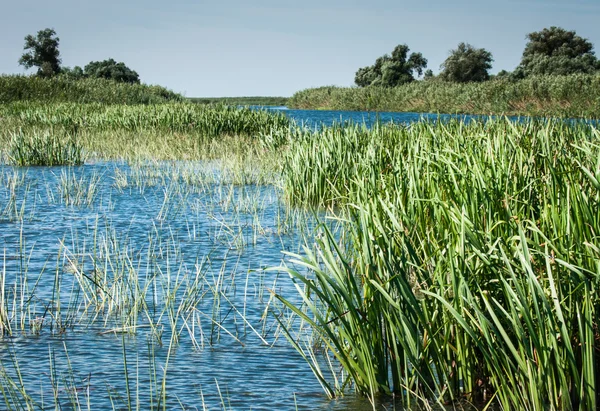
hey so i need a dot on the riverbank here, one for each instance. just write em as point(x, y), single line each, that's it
point(576, 96)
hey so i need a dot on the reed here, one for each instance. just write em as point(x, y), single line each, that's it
point(44, 149)
point(467, 267)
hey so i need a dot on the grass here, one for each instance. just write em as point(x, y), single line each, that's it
point(467, 268)
point(550, 96)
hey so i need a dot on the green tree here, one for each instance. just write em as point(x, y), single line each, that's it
point(555, 50)
point(110, 69)
point(391, 71)
point(467, 64)
point(42, 52)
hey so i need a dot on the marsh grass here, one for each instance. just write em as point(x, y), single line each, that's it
point(44, 149)
point(467, 268)
point(238, 139)
point(77, 190)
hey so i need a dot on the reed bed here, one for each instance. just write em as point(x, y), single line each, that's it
point(549, 96)
point(62, 89)
point(467, 268)
point(209, 121)
point(178, 131)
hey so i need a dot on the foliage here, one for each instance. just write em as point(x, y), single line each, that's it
point(561, 96)
point(74, 73)
point(111, 70)
point(466, 64)
point(467, 265)
point(43, 53)
point(390, 71)
point(68, 88)
point(557, 51)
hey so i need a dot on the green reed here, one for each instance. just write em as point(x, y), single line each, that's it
point(553, 96)
point(467, 267)
point(44, 149)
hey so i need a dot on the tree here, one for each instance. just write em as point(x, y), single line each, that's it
point(110, 69)
point(390, 71)
point(428, 75)
point(466, 64)
point(42, 53)
point(557, 51)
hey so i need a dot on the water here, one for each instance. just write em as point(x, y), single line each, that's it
point(168, 225)
point(317, 118)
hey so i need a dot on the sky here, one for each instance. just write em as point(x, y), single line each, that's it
point(232, 48)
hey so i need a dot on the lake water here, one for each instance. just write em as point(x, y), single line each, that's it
point(75, 240)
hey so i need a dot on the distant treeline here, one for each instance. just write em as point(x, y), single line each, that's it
point(242, 101)
point(85, 90)
point(556, 96)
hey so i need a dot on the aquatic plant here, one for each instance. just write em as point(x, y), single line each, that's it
point(468, 263)
point(44, 149)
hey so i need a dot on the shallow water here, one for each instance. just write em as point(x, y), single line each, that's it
point(168, 225)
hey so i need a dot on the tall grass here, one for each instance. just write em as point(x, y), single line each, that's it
point(468, 266)
point(62, 89)
point(551, 96)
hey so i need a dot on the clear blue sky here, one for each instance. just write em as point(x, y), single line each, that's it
point(267, 47)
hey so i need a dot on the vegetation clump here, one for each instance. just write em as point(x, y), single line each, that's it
point(467, 63)
point(394, 70)
point(44, 149)
point(557, 51)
